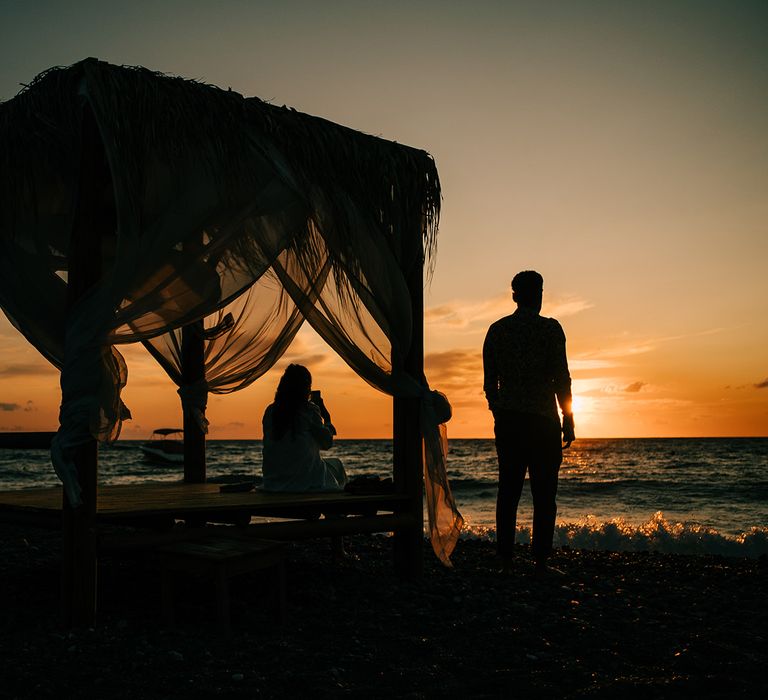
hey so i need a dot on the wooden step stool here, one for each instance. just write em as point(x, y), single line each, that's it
point(221, 558)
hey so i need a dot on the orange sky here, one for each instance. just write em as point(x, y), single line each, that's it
point(618, 148)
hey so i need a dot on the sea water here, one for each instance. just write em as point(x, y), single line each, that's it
point(685, 495)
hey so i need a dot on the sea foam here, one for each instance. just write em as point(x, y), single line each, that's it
point(657, 534)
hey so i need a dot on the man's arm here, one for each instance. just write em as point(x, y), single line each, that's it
point(490, 372)
point(562, 381)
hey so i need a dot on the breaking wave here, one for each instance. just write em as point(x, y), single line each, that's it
point(657, 534)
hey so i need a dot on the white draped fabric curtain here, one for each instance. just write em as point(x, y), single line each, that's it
point(225, 208)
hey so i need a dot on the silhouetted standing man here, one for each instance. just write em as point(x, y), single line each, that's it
point(526, 371)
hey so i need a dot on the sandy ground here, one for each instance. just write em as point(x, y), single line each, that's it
point(613, 626)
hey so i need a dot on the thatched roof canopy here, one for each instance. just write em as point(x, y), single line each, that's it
point(201, 192)
point(147, 116)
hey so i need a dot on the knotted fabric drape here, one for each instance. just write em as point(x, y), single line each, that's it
point(212, 196)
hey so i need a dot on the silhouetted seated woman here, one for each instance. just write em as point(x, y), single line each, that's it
point(296, 427)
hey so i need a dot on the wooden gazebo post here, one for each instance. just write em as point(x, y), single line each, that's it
point(407, 451)
point(193, 370)
point(94, 217)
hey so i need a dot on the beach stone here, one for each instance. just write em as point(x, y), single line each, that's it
point(523, 608)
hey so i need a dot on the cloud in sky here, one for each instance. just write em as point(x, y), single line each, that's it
point(578, 364)
point(463, 314)
point(312, 362)
point(460, 314)
point(560, 308)
point(619, 351)
point(606, 387)
point(454, 362)
point(29, 369)
point(628, 348)
point(634, 387)
point(458, 372)
point(763, 384)
point(9, 407)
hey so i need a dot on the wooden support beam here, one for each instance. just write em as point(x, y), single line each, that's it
point(265, 527)
point(329, 527)
point(193, 370)
point(79, 566)
point(408, 454)
point(94, 218)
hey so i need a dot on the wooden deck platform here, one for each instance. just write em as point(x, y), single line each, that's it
point(148, 503)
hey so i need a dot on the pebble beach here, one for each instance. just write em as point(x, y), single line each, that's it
point(612, 624)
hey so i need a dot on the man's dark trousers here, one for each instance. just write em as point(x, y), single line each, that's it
point(527, 441)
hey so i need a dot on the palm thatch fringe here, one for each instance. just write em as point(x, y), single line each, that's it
point(145, 114)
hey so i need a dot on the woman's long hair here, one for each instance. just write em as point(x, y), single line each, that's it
point(291, 396)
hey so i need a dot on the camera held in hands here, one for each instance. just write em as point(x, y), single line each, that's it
point(315, 398)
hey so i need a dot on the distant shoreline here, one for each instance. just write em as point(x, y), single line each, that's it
point(26, 440)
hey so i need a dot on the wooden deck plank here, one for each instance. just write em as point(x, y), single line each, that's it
point(176, 498)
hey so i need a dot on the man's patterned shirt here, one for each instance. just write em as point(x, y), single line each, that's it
point(525, 365)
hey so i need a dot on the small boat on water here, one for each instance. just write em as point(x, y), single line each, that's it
point(166, 446)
